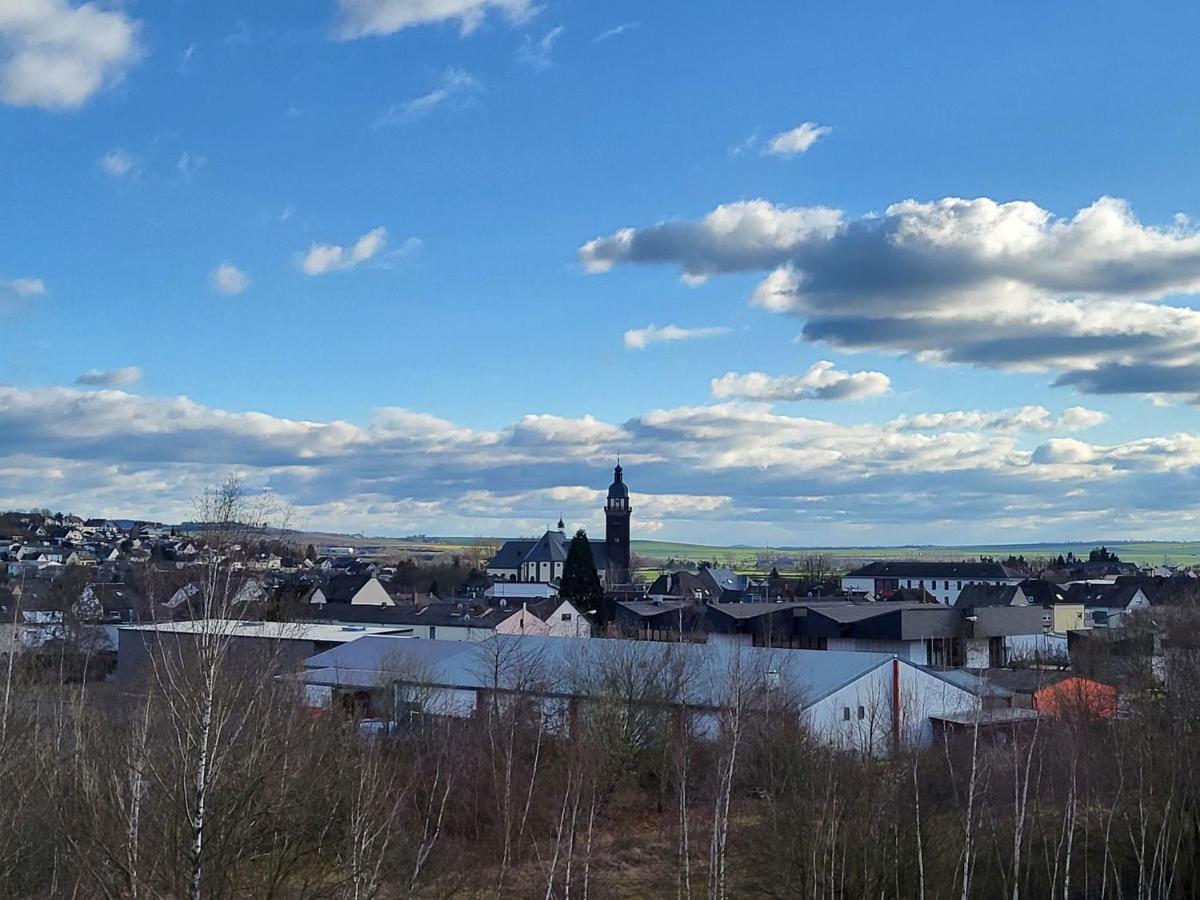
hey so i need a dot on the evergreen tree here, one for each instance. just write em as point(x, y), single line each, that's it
point(310, 553)
point(580, 584)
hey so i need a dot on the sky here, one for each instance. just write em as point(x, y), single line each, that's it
point(818, 273)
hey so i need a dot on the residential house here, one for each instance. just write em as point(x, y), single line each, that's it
point(356, 590)
point(944, 580)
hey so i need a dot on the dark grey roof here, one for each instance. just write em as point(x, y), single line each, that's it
point(921, 569)
point(1026, 681)
point(550, 547)
point(650, 608)
point(1043, 593)
point(727, 579)
point(974, 595)
point(971, 683)
point(511, 554)
point(752, 610)
point(1106, 596)
point(618, 490)
point(342, 588)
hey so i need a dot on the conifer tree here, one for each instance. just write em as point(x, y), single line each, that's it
point(580, 584)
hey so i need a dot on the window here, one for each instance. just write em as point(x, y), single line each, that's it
point(566, 617)
point(862, 713)
point(845, 714)
point(960, 585)
point(433, 632)
point(945, 585)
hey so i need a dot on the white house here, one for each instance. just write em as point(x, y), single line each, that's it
point(357, 590)
point(522, 621)
point(568, 621)
point(879, 580)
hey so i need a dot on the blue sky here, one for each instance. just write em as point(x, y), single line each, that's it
point(177, 180)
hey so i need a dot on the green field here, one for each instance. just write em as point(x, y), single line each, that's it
point(744, 558)
point(1153, 552)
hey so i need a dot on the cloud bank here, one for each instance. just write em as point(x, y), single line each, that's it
point(998, 285)
point(718, 472)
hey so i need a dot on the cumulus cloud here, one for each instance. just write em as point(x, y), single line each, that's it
point(796, 140)
point(110, 377)
point(822, 381)
point(228, 279)
point(998, 285)
point(322, 258)
point(455, 88)
point(117, 163)
point(362, 18)
point(539, 54)
point(54, 55)
point(721, 471)
point(641, 338)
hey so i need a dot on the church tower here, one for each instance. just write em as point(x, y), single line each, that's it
point(616, 530)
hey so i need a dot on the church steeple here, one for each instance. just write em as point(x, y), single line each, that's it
point(617, 513)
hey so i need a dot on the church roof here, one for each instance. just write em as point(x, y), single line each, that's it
point(550, 547)
point(511, 554)
point(618, 490)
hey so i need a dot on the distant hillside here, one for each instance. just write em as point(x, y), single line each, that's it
point(1154, 552)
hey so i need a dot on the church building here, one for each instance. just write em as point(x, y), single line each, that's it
point(542, 560)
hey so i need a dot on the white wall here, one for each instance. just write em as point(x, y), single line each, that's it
point(921, 695)
point(576, 626)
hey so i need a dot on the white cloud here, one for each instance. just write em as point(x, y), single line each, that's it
point(796, 141)
point(998, 285)
point(614, 31)
point(719, 470)
point(362, 18)
point(57, 56)
point(228, 279)
point(322, 258)
point(822, 381)
point(455, 89)
point(641, 338)
point(110, 377)
point(117, 163)
point(539, 54)
point(1079, 418)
